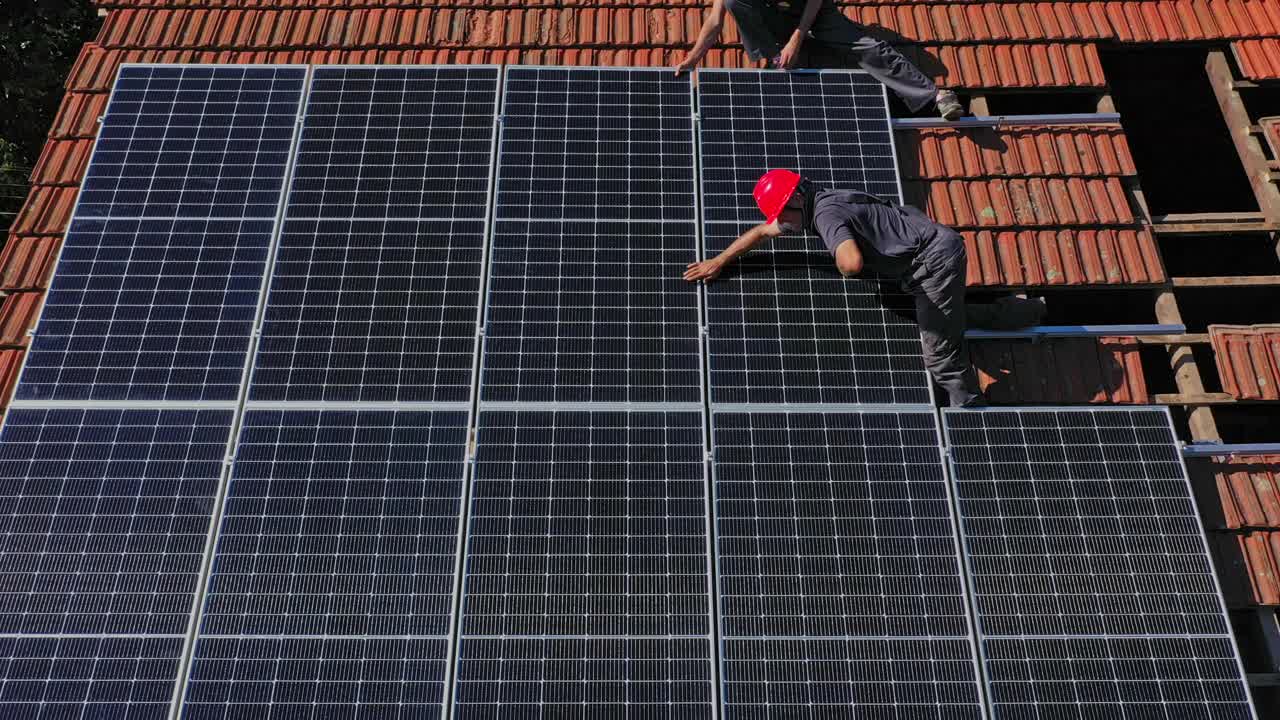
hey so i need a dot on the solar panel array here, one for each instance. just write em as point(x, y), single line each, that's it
point(485, 464)
point(1094, 592)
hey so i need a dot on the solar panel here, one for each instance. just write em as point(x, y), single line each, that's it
point(784, 326)
point(583, 677)
point(152, 309)
point(375, 289)
point(316, 677)
point(587, 523)
point(193, 141)
point(340, 522)
point(399, 142)
point(371, 310)
point(840, 578)
point(1092, 584)
point(831, 126)
point(83, 677)
point(106, 516)
point(595, 220)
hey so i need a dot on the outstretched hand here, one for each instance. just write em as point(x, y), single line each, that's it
point(706, 271)
point(687, 62)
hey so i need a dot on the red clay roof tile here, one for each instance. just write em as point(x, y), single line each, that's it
point(26, 262)
point(1248, 360)
point(1086, 370)
point(1258, 59)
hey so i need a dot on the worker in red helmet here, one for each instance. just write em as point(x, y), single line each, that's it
point(777, 30)
point(864, 231)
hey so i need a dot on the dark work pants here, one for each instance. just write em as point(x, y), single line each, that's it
point(938, 284)
point(765, 27)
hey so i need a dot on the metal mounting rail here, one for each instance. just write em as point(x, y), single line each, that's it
point(1201, 450)
point(993, 121)
point(1042, 331)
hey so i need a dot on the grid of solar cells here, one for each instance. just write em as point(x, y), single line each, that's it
point(832, 127)
point(375, 290)
point(105, 516)
point(88, 677)
point(396, 142)
point(591, 311)
point(1080, 531)
point(835, 524)
point(784, 326)
point(152, 309)
point(596, 144)
point(587, 523)
point(898, 679)
point(583, 678)
point(595, 208)
point(371, 310)
point(340, 522)
point(194, 141)
point(316, 677)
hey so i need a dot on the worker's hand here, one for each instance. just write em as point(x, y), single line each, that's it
point(706, 271)
point(688, 62)
point(790, 55)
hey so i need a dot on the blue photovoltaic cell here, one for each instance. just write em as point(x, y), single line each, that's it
point(783, 326)
point(1092, 583)
point(583, 678)
point(131, 678)
point(236, 677)
point(194, 141)
point(371, 310)
point(840, 577)
point(832, 127)
point(106, 516)
point(340, 522)
point(587, 523)
point(596, 222)
point(158, 309)
point(396, 142)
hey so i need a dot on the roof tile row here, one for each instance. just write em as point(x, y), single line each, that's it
point(1248, 359)
point(1258, 59)
point(946, 153)
point(1245, 493)
point(1062, 257)
point(1248, 565)
point(1033, 201)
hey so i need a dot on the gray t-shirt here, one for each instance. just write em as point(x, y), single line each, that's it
point(888, 236)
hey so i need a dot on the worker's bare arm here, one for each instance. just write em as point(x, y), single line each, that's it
point(848, 258)
point(708, 270)
point(791, 51)
point(707, 38)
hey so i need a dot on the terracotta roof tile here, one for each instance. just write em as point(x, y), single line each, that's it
point(26, 261)
point(1060, 370)
point(1248, 360)
point(1034, 201)
point(10, 365)
point(1258, 59)
point(62, 162)
point(1247, 567)
point(47, 211)
point(18, 312)
point(1244, 493)
point(1271, 133)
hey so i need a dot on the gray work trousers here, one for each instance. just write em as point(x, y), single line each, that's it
point(937, 280)
point(765, 26)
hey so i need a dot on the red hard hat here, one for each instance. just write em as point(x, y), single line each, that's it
point(773, 192)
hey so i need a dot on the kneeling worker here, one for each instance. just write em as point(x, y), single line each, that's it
point(898, 241)
point(776, 30)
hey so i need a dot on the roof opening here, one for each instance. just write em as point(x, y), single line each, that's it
point(1041, 103)
point(1109, 307)
point(1247, 423)
point(1179, 139)
point(1226, 305)
point(1232, 255)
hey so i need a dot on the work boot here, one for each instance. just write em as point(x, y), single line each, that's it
point(968, 400)
point(949, 106)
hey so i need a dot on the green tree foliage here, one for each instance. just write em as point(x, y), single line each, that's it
point(39, 41)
